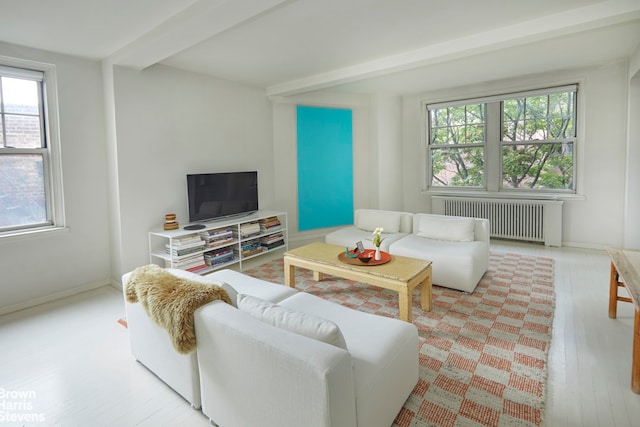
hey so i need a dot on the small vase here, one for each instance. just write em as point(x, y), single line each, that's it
point(377, 256)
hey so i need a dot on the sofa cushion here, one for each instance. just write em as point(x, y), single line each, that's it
point(444, 228)
point(248, 285)
point(233, 294)
point(292, 320)
point(348, 236)
point(370, 220)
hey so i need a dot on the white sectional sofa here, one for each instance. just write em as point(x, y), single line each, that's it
point(457, 246)
point(249, 369)
point(396, 225)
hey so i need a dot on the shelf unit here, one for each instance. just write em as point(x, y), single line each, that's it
point(220, 243)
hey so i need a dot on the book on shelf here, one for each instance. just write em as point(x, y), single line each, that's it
point(220, 259)
point(220, 242)
point(216, 233)
point(178, 252)
point(189, 240)
point(186, 263)
point(249, 229)
point(272, 238)
point(198, 269)
point(273, 245)
point(270, 224)
point(249, 247)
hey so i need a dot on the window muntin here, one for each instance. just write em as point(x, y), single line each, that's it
point(546, 125)
point(456, 145)
point(24, 156)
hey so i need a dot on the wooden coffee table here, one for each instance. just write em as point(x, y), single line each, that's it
point(401, 274)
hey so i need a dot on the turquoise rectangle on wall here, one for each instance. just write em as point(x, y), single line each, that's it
point(325, 167)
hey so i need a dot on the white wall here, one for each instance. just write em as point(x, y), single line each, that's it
point(37, 268)
point(631, 237)
point(170, 123)
point(386, 137)
point(595, 217)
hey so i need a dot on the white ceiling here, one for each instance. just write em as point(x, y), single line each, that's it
point(293, 46)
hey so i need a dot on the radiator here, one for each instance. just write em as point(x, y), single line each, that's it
point(527, 220)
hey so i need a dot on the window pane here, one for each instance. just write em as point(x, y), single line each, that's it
point(539, 118)
point(20, 96)
point(23, 131)
point(463, 124)
point(457, 167)
point(561, 113)
point(22, 198)
point(536, 107)
point(538, 166)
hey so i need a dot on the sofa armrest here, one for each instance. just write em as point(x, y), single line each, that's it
point(482, 230)
point(252, 373)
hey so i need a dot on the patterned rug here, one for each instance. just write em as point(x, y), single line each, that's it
point(483, 356)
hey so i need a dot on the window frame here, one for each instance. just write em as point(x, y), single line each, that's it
point(493, 157)
point(50, 147)
point(482, 145)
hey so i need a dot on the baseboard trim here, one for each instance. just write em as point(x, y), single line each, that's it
point(52, 297)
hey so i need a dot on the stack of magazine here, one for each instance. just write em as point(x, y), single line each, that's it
point(186, 253)
point(217, 237)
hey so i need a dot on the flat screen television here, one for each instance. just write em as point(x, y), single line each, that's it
point(218, 195)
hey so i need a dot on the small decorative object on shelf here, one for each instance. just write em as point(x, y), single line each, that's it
point(377, 240)
point(170, 222)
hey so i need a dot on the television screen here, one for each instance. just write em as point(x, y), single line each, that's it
point(217, 195)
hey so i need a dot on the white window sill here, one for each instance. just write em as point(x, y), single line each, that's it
point(33, 233)
point(517, 195)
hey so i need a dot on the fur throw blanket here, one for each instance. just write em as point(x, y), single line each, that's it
point(171, 301)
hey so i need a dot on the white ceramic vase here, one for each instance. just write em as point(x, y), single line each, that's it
point(377, 256)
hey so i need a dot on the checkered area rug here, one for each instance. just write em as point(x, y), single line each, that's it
point(483, 356)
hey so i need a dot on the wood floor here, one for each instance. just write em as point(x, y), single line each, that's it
point(67, 363)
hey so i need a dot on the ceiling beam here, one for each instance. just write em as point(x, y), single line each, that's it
point(599, 15)
point(200, 21)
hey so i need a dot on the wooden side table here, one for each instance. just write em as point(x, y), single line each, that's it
point(625, 272)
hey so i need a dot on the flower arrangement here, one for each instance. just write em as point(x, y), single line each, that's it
point(377, 239)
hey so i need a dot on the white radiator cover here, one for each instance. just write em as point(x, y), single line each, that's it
point(528, 220)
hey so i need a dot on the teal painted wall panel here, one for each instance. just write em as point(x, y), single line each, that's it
point(325, 167)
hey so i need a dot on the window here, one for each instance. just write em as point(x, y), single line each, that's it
point(24, 151)
point(530, 137)
point(457, 140)
point(538, 136)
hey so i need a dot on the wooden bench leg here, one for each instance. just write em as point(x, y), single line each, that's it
point(613, 292)
point(635, 362)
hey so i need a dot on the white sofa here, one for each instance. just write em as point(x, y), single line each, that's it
point(396, 225)
point(245, 371)
point(457, 246)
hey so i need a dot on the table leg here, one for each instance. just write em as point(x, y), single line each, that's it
point(613, 292)
point(425, 294)
point(289, 275)
point(317, 276)
point(404, 305)
point(635, 361)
